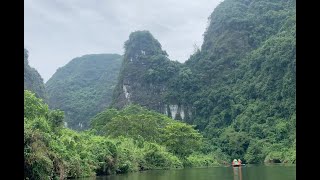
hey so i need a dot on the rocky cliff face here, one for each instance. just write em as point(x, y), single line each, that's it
point(32, 79)
point(135, 83)
point(146, 76)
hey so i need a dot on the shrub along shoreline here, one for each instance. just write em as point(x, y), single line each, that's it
point(52, 151)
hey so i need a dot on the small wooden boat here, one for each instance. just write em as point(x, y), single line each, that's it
point(237, 165)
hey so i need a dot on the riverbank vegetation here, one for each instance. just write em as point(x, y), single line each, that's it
point(117, 143)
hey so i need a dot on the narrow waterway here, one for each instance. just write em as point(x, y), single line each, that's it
point(248, 172)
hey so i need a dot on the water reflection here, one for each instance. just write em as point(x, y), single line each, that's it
point(237, 173)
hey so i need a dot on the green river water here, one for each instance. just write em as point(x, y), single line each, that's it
point(248, 172)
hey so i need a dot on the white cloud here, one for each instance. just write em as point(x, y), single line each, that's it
point(57, 31)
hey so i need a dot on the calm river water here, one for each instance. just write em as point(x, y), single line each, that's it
point(248, 172)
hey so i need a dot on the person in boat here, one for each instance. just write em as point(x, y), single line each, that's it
point(239, 161)
point(234, 162)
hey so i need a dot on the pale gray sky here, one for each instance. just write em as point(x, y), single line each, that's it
point(56, 31)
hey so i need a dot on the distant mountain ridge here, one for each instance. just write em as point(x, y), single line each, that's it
point(84, 87)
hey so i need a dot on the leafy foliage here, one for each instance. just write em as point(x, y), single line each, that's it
point(181, 139)
point(143, 125)
point(52, 151)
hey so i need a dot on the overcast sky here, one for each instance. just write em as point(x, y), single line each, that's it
point(56, 31)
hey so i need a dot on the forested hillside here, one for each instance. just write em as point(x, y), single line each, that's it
point(238, 89)
point(246, 74)
point(32, 79)
point(84, 87)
